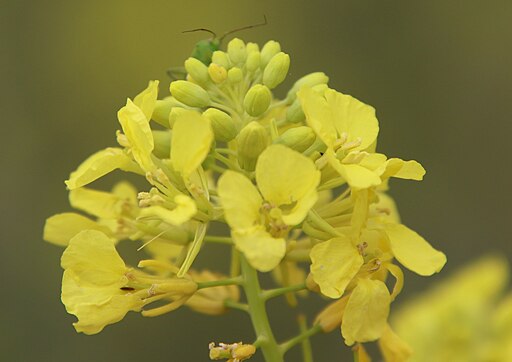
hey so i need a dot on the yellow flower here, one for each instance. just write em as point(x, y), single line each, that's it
point(259, 217)
point(460, 319)
point(93, 282)
point(100, 289)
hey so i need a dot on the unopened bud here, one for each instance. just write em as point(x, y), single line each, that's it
point(253, 61)
point(237, 52)
point(223, 125)
point(243, 352)
point(294, 113)
point(257, 100)
point(218, 73)
point(252, 47)
point(235, 75)
point(252, 140)
point(162, 110)
point(197, 70)
point(276, 70)
point(298, 138)
point(221, 58)
point(189, 93)
point(162, 140)
point(330, 317)
point(309, 80)
point(270, 49)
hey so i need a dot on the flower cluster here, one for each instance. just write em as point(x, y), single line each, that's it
point(297, 180)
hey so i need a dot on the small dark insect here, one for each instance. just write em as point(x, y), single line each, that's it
point(127, 288)
point(203, 50)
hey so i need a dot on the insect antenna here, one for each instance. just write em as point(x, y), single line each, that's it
point(245, 27)
point(200, 29)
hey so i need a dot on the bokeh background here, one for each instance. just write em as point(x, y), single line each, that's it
point(438, 72)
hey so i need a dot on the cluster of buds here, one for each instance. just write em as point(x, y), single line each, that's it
point(297, 180)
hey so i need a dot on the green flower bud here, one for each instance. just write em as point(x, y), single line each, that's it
point(298, 138)
point(162, 140)
point(237, 52)
point(217, 73)
point(223, 125)
point(294, 113)
point(189, 93)
point(235, 75)
point(163, 109)
point(257, 100)
point(252, 47)
point(197, 70)
point(251, 141)
point(276, 70)
point(253, 61)
point(270, 49)
point(309, 80)
point(221, 58)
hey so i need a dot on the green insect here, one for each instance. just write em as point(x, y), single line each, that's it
point(203, 50)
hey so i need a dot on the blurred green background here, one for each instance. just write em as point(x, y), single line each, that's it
point(438, 72)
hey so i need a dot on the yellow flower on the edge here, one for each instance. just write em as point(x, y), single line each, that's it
point(94, 275)
point(349, 129)
point(287, 180)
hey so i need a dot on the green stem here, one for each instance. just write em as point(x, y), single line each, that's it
point(258, 313)
point(285, 346)
point(307, 352)
point(235, 305)
point(272, 293)
point(218, 283)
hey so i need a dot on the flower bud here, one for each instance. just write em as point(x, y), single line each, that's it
point(235, 75)
point(223, 125)
point(221, 58)
point(197, 70)
point(309, 80)
point(162, 141)
point(276, 70)
point(294, 113)
point(257, 100)
point(252, 47)
point(243, 352)
point(218, 73)
point(189, 93)
point(252, 140)
point(330, 317)
point(298, 138)
point(270, 49)
point(237, 52)
point(253, 61)
point(163, 109)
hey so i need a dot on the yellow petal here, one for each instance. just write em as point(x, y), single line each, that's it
point(409, 170)
point(286, 177)
point(98, 203)
point(137, 130)
point(99, 164)
point(60, 228)
point(360, 354)
point(393, 348)
point(146, 100)
point(92, 257)
point(366, 313)
point(414, 252)
point(333, 264)
point(357, 176)
point(240, 200)
point(318, 114)
point(354, 118)
point(192, 137)
point(185, 209)
point(261, 250)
